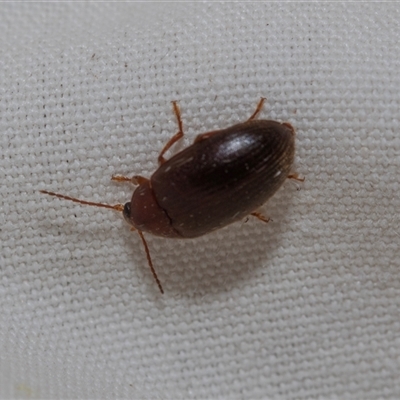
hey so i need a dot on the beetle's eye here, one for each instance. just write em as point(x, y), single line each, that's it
point(127, 211)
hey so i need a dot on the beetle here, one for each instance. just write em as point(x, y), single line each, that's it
point(224, 176)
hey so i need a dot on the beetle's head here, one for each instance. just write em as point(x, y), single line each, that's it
point(144, 213)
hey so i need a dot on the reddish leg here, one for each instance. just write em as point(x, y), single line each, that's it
point(258, 109)
point(295, 176)
point(174, 138)
point(136, 179)
point(261, 217)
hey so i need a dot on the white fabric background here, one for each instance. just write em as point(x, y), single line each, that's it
point(307, 306)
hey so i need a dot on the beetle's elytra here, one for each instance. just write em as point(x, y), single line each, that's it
point(224, 176)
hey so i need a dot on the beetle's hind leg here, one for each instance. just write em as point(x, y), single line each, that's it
point(296, 177)
point(261, 217)
point(258, 109)
point(176, 137)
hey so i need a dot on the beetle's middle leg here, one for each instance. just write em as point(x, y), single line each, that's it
point(174, 138)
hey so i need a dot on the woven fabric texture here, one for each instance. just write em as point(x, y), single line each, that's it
point(306, 306)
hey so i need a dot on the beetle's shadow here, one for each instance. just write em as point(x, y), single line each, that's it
point(224, 259)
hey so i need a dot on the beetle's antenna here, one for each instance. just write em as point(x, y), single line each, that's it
point(116, 207)
point(153, 271)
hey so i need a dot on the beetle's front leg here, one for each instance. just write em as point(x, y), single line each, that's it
point(136, 179)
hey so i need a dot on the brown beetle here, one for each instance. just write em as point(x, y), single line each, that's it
point(221, 178)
